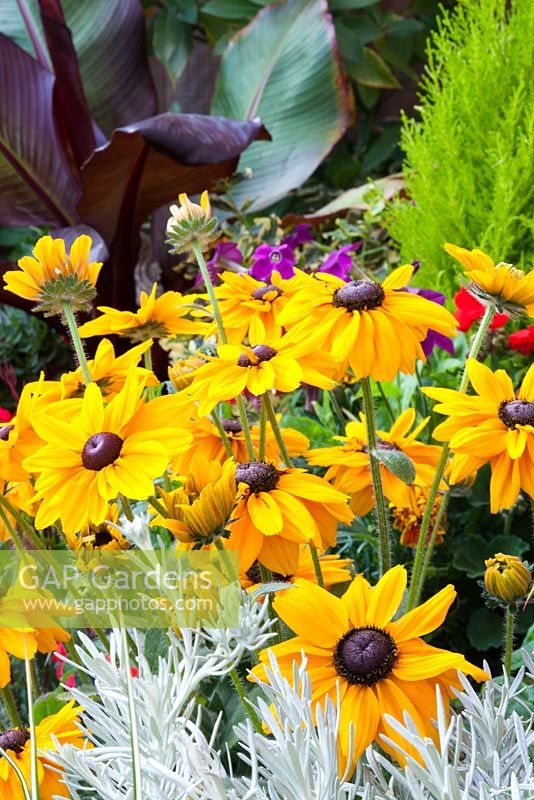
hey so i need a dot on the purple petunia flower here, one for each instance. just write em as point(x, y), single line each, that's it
point(300, 234)
point(339, 262)
point(225, 256)
point(433, 338)
point(267, 258)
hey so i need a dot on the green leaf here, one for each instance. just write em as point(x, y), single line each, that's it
point(318, 434)
point(372, 71)
point(172, 41)
point(484, 629)
point(283, 67)
point(156, 646)
point(507, 543)
point(230, 9)
point(469, 556)
point(46, 705)
point(357, 199)
point(398, 463)
point(349, 5)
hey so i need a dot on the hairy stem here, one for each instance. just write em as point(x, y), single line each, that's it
point(509, 625)
point(418, 575)
point(316, 565)
point(269, 410)
point(10, 706)
point(242, 694)
point(70, 321)
point(380, 500)
point(222, 433)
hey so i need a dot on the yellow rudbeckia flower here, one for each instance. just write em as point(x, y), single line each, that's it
point(349, 468)
point(51, 277)
point(265, 365)
point(279, 509)
point(380, 666)
point(334, 570)
point(207, 441)
point(200, 512)
point(107, 370)
point(375, 328)
point(494, 425)
point(509, 288)
point(102, 451)
point(156, 318)
point(62, 727)
point(243, 301)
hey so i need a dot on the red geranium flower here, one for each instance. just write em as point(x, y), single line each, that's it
point(468, 310)
point(523, 340)
point(5, 415)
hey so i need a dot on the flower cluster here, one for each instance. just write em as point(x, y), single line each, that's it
point(222, 458)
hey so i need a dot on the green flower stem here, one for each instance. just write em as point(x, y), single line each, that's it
point(222, 433)
point(25, 526)
point(147, 361)
point(19, 545)
point(242, 694)
point(104, 640)
point(380, 500)
point(430, 546)
point(263, 432)
point(267, 577)
point(224, 340)
point(211, 292)
point(159, 507)
point(509, 625)
point(34, 775)
point(10, 706)
point(70, 320)
point(269, 410)
point(316, 565)
point(246, 427)
point(418, 574)
point(127, 508)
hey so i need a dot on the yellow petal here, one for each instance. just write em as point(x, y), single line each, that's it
point(313, 613)
point(356, 599)
point(386, 596)
point(425, 618)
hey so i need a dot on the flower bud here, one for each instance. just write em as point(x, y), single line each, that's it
point(507, 577)
point(191, 224)
point(182, 372)
point(188, 210)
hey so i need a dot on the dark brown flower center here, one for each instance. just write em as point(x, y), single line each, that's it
point(381, 445)
point(365, 655)
point(14, 739)
point(102, 536)
point(254, 575)
point(101, 450)
point(5, 430)
point(259, 476)
point(262, 352)
point(517, 412)
point(359, 296)
point(260, 293)
point(231, 425)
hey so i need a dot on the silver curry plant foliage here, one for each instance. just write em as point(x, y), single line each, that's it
point(484, 751)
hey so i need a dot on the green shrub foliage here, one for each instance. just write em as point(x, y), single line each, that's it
point(469, 156)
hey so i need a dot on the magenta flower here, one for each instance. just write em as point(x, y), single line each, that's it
point(339, 262)
point(225, 256)
point(267, 258)
point(433, 338)
point(300, 234)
